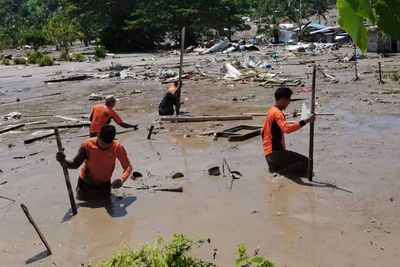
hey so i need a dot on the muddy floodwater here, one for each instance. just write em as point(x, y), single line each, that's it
point(347, 217)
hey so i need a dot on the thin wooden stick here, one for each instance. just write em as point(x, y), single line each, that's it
point(150, 132)
point(181, 67)
point(66, 174)
point(380, 73)
point(311, 148)
point(28, 215)
point(355, 63)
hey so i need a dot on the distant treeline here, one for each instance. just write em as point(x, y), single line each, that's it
point(129, 25)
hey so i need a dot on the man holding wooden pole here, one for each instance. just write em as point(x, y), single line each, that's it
point(98, 155)
point(280, 160)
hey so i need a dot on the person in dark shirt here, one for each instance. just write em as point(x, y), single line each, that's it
point(170, 99)
point(280, 160)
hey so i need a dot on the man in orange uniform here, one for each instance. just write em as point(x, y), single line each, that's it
point(98, 156)
point(170, 99)
point(279, 159)
point(102, 115)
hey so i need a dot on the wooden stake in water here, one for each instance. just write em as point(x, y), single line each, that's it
point(28, 215)
point(311, 148)
point(66, 174)
point(181, 67)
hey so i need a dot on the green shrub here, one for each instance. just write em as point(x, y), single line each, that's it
point(100, 52)
point(34, 56)
point(244, 260)
point(173, 254)
point(46, 60)
point(20, 61)
point(64, 56)
point(78, 57)
point(394, 76)
point(6, 61)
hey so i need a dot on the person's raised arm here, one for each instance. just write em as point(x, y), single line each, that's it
point(76, 162)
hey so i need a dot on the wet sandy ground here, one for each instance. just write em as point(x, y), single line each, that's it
point(348, 217)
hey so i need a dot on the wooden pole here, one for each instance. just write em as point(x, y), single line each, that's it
point(28, 215)
point(355, 63)
point(66, 174)
point(150, 132)
point(380, 72)
point(181, 67)
point(311, 147)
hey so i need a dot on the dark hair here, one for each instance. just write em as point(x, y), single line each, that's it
point(176, 83)
point(107, 133)
point(283, 92)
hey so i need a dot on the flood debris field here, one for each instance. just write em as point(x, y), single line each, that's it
point(347, 217)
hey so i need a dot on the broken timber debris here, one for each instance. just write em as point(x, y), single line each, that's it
point(37, 138)
point(61, 126)
point(67, 79)
point(28, 215)
point(176, 190)
point(207, 118)
point(233, 136)
point(12, 127)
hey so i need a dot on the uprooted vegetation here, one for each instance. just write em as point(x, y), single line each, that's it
point(175, 253)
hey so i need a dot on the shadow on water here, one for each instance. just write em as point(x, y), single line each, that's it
point(115, 206)
point(38, 257)
point(298, 180)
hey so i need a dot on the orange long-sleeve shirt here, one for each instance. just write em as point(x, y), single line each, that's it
point(99, 164)
point(274, 128)
point(101, 115)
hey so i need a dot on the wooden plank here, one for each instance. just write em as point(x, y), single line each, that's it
point(63, 126)
point(66, 174)
point(311, 146)
point(207, 118)
point(37, 138)
point(181, 70)
point(67, 79)
point(12, 127)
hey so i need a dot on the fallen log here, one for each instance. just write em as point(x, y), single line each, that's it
point(65, 118)
point(20, 125)
point(12, 127)
point(176, 190)
point(207, 118)
point(67, 79)
point(37, 138)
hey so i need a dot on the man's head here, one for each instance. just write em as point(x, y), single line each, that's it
point(282, 97)
point(176, 83)
point(106, 136)
point(110, 101)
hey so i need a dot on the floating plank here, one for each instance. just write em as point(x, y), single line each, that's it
point(12, 127)
point(37, 138)
point(207, 118)
point(67, 79)
point(63, 126)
